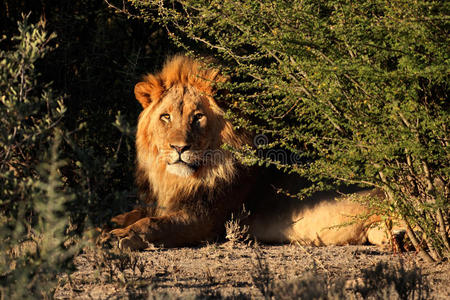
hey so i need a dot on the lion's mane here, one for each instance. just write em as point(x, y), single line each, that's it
point(152, 180)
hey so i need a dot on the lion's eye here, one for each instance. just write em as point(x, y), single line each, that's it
point(165, 117)
point(198, 117)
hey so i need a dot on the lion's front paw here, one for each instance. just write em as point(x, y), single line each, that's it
point(106, 240)
point(129, 239)
point(133, 242)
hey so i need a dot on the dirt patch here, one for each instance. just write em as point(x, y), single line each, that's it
point(249, 272)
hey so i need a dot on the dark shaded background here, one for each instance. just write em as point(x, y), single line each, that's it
point(99, 56)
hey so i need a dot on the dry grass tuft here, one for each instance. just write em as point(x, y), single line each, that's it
point(236, 232)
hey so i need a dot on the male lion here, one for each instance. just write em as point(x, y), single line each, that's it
point(191, 186)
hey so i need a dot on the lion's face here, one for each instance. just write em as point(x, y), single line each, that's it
point(183, 130)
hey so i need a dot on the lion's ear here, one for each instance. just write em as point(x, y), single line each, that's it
point(142, 91)
point(148, 91)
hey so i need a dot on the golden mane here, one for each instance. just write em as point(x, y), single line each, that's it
point(178, 70)
point(182, 71)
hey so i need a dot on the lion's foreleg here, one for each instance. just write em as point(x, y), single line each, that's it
point(172, 230)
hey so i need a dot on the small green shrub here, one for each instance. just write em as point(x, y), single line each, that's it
point(33, 195)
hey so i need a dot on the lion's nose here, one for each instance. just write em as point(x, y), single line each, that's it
point(180, 149)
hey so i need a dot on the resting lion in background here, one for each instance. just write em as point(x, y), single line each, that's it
point(191, 186)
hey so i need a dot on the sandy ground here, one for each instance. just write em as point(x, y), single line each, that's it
point(240, 271)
